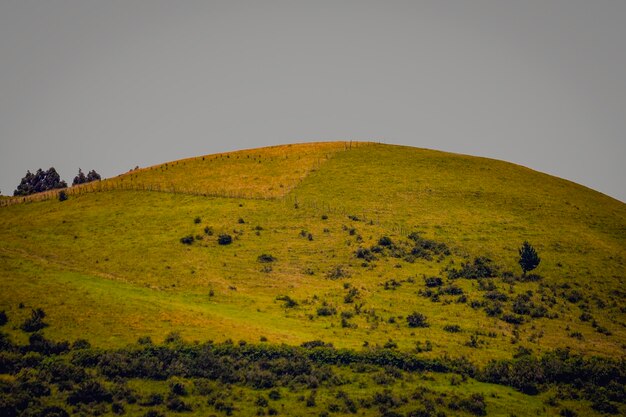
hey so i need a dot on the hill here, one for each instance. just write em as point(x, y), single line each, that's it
point(339, 242)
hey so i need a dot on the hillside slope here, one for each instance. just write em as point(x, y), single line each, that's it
point(350, 234)
point(121, 249)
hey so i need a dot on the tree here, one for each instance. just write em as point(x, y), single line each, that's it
point(81, 178)
point(528, 258)
point(38, 182)
point(93, 176)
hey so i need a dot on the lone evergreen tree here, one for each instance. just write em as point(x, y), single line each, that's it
point(528, 258)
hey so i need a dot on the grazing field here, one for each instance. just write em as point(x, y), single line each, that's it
point(368, 247)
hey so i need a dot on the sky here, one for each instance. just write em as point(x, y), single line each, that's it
point(110, 85)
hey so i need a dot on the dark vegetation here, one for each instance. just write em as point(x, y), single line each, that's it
point(81, 178)
point(39, 181)
point(224, 239)
point(93, 378)
point(528, 258)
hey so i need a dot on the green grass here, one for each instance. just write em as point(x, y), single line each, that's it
point(109, 266)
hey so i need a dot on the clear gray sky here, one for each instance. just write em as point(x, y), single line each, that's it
point(109, 85)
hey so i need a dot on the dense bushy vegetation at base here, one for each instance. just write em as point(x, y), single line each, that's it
point(86, 376)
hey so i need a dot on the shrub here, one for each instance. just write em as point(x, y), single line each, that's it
point(177, 387)
point(62, 196)
point(433, 282)
point(89, 392)
point(493, 309)
point(366, 254)
point(80, 344)
point(289, 302)
point(274, 395)
point(316, 343)
point(326, 310)
point(35, 321)
point(475, 404)
point(496, 296)
point(224, 239)
point(187, 240)
point(177, 405)
point(385, 241)
point(482, 267)
point(117, 408)
point(352, 294)
point(153, 413)
point(451, 290)
point(53, 411)
point(566, 412)
point(512, 319)
point(265, 258)
point(452, 328)
point(337, 272)
point(152, 399)
point(417, 320)
point(3, 318)
point(197, 220)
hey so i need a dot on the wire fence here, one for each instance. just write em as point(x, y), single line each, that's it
point(118, 184)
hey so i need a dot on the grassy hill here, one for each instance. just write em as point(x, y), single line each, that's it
point(333, 242)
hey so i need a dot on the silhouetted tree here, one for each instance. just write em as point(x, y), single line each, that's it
point(39, 181)
point(81, 178)
point(528, 258)
point(93, 176)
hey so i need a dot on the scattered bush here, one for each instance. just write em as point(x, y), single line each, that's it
point(417, 320)
point(482, 267)
point(224, 239)
point(452, 328)
point(289, 302)
point(338, 272)
point(326, 310)
point(512, 318)
point(265, 258)
point(475, 404)
point(177, 405)
point(187, 240)
point(35, 321)
point(366, 254)
point(89, 392)
point(433, 282)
